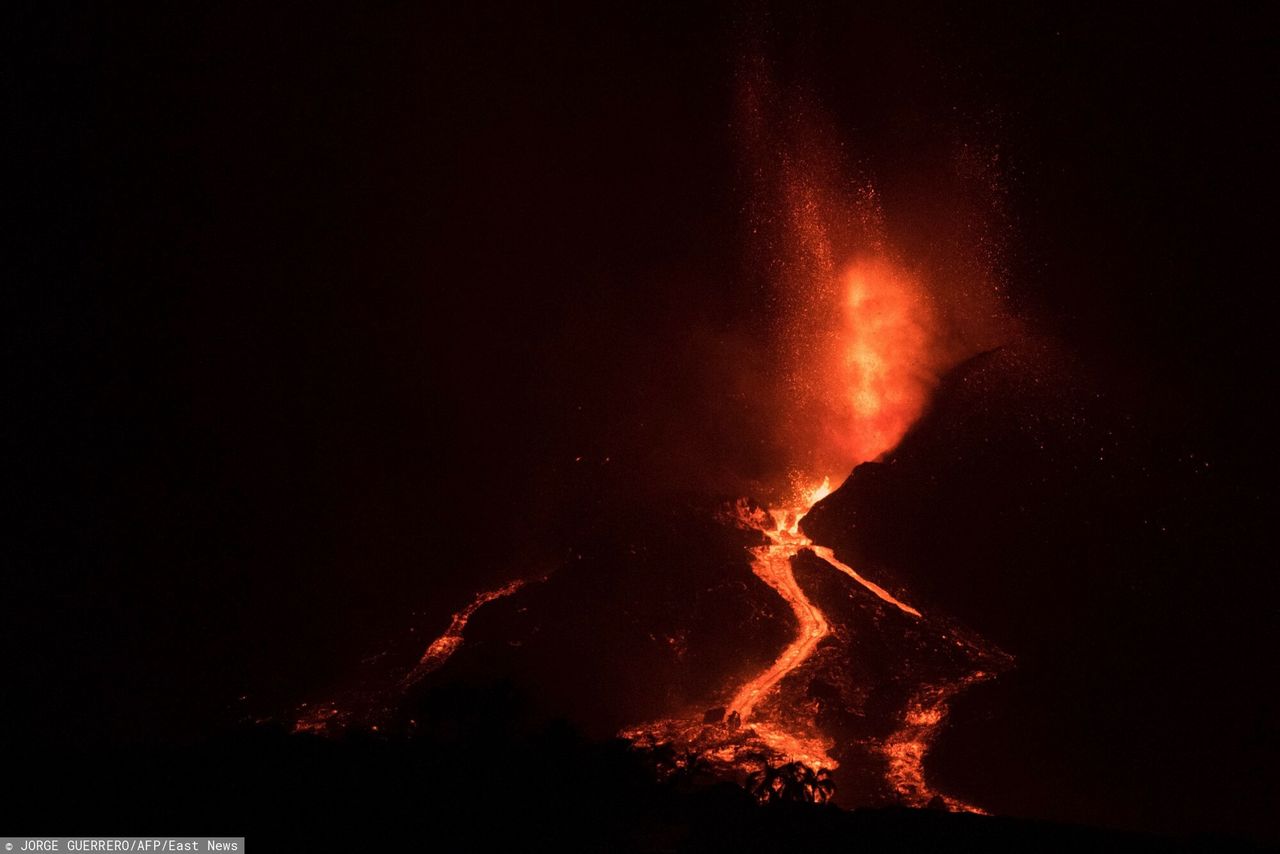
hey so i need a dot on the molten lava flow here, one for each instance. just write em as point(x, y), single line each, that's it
point(761, 730)
point(830, 557)
point(905, 749)
point(447, 644)
point(772, 564)
point(367, 706)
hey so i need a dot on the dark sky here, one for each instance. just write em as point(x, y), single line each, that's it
point(315, 306)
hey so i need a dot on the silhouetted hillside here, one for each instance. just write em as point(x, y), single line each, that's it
point(1101, 545)
point(487, 780)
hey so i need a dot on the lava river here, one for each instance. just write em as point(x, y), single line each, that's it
point(766, 724)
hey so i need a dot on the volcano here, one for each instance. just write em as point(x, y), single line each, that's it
point(765, 648)
point(661, 427)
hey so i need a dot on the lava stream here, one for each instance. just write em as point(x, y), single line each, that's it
point(772, 564)
point(447, 644)
point(369, 706)
point(830, 557)
point(905, 749)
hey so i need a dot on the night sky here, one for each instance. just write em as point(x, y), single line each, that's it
point(313, 311)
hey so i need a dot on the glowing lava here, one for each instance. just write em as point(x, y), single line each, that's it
point(447, 644)
point(772, 564)
point(369, 708)
point(830, 557)
point(905, 749)
point(764, 727)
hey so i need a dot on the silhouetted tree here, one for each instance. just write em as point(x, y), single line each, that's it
point(793, 781)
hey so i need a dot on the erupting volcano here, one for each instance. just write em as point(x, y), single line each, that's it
point(876, 379)
point(659, 427)
point(858, 339)
point(862, 339)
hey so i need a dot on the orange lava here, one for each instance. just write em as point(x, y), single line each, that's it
point(772, 564)
point(759, 722)
point(905, 749)
point(447, 644)
point(830, 557)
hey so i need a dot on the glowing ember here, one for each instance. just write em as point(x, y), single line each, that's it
point(321, 720)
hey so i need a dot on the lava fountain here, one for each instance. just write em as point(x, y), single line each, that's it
point(873, 380)
point(861, 338)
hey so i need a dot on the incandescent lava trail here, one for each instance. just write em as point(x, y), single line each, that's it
point(830, 557)
point(447, 644)
point(772, 564)
point(782, 732)
point(369, 707)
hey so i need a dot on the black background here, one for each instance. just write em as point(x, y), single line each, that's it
point(315, 307)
